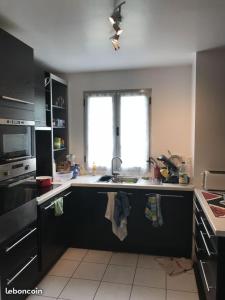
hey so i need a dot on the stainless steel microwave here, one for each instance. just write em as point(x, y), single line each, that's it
point(17, 140)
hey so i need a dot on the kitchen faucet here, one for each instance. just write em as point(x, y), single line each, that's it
point(115, 173)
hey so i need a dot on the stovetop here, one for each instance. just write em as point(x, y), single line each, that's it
point(11, 197)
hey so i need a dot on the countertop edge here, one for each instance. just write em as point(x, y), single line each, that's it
point(91, 181)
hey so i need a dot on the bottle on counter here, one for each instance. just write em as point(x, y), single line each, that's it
point(54, 169)
point(183, 176)
point(94, 168)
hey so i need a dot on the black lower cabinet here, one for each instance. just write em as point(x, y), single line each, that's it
point(19, 264)
point(23, 278)
point(90, 228)
point(210, 258)
point(53, 231)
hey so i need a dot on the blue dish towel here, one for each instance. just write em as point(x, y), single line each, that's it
point(153, 210)
point(122, 207)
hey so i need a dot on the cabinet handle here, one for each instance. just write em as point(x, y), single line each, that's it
point(197, 247)
point(20, 240)
point(206, 247)
point(206, 230)
point(196, 207)
point(202, 263)
point(170, 196)
point(50, 205)
point(67, 194)
point(16, 100)
point(197, 222)
point(129, 194)
point(21, 270)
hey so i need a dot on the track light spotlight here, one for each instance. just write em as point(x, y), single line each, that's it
point(112, 20)
point(117, 29)
point(115, 20)
point(115, 42)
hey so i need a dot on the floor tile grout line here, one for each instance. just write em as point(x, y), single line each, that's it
point(103, 276)
point(70, 277)
point(135, 270)
point(80, 262)
point(166, 284)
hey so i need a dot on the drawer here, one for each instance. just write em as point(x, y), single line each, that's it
point(14, 251)
point(23, 278)
point(203, 248)
point(207, 271)
point(202, 225)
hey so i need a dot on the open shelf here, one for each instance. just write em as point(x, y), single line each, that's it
point(58, 107)
point(60, 149)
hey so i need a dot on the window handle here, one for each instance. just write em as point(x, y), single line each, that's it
point(117, 131)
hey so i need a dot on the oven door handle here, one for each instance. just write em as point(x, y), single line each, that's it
point(17, 100)
point(20, 240)
point(21, 270)
point(16, 158)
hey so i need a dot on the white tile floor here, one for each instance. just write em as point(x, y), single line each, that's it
point(82, 274)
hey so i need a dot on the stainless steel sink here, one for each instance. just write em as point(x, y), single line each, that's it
point(126, 179)
point(118, 179)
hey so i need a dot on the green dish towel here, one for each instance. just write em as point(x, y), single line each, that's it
point(153, 210)
point(58, 206)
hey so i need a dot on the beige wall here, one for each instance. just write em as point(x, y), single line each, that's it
point(210, 112)
point(171, 121)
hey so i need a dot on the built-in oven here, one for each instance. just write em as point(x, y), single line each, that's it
point(17, 148)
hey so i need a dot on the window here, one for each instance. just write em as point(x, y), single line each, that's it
point(117, 124)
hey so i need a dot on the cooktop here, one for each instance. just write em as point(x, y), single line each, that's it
point(11, 197)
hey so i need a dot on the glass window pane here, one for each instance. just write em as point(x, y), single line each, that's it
point(99, 131)
point(134, 131)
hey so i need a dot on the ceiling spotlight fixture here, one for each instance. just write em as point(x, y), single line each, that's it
point(115, 42)
point(115, 19)
point(117, 29)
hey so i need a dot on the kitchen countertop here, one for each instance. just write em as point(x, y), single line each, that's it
point(217, 224)
point(91, 181)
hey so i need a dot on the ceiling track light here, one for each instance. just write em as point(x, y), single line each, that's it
point(115, 42)
point(115, 19)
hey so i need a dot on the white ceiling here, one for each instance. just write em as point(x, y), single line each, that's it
point(73, 35)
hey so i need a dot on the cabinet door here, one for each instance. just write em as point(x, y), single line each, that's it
point(90, 229)
point(53, 232)
point(39, 96)
point(174, 237)
point(16, 61)
point(23, 278)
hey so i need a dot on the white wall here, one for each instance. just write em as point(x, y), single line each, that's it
point(171, 121)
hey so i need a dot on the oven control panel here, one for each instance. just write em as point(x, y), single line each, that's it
point(14, 169)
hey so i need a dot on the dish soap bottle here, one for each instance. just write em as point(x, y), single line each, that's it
point(94, 169)
point(183, 177)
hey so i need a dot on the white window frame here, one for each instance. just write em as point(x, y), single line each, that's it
point(116, 107)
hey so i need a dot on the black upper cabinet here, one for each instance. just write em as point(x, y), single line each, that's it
point(17, 68)
point(39, 96)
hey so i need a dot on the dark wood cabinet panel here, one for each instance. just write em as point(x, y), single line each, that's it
point(92, 230)
point(53, 231)
point(19, 263)
point(39, 96)
point(17, 68)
